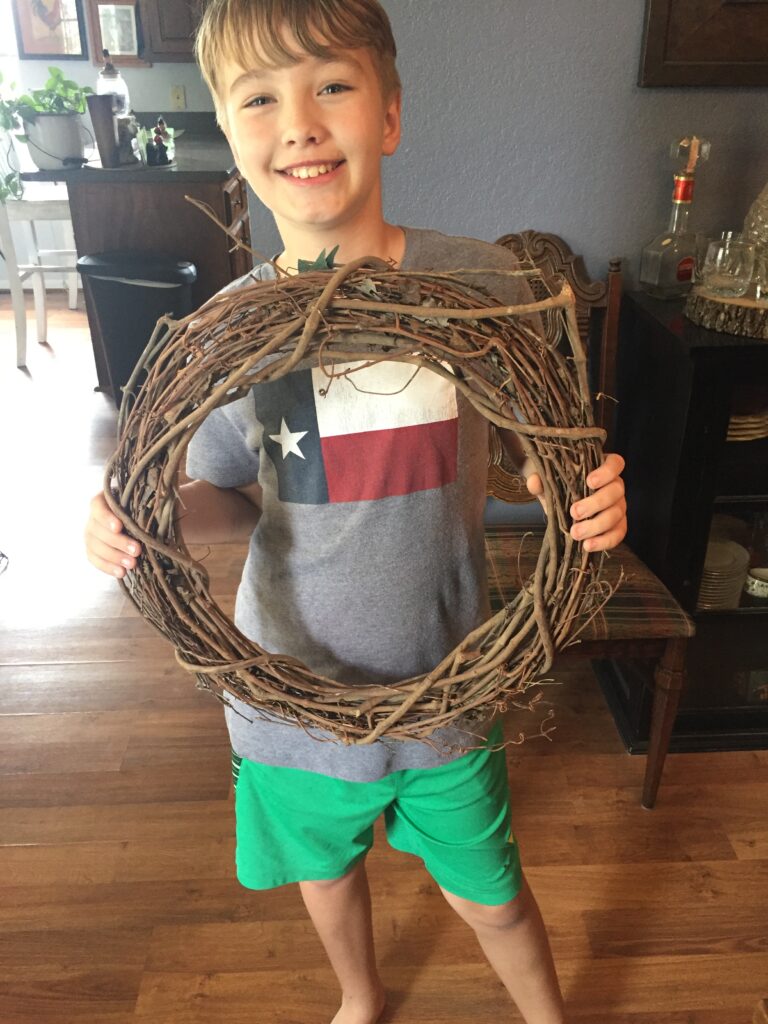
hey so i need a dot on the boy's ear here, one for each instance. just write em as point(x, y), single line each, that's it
point(392, 111)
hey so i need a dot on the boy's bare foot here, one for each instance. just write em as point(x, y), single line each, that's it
point(361, 1011)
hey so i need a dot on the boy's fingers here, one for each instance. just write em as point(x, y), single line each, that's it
point(534, 484)
point(604, 530)
point(97, 532)
point(612, 467)
point(109, 559)
point(606, 541)
point(611, 494)
point(101, 512)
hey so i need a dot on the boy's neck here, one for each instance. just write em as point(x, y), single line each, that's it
point(387, 242)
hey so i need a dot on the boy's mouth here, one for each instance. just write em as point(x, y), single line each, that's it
point(304, 172)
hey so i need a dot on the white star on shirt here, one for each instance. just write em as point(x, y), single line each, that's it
point(288, 441)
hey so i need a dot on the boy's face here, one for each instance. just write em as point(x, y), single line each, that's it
point(309, 139)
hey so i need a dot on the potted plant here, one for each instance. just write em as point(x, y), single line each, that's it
point(53, 129)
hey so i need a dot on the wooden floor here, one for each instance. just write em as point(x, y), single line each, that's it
point(118, 901)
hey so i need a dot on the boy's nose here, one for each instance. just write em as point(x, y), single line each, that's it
point(301, 127)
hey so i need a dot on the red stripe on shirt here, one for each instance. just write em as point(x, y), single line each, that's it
point(385, 463)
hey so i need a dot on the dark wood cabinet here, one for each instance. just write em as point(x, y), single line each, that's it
point(169, 29)
point(678, 385)
point(156, 217)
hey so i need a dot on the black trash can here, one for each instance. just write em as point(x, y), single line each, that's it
point(127, 292)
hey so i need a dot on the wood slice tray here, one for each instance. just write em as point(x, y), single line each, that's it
point(746, 316)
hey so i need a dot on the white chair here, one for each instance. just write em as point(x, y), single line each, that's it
point(27, 212)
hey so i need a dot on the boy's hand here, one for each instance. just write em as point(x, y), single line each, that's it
point(601, 519)
point(108, 547)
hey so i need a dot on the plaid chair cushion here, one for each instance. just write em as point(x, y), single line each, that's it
point(642, 607)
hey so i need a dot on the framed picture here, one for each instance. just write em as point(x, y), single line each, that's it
point(705, 42)
point(50, 29)
point(116, 27)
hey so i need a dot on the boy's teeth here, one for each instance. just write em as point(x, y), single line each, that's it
point(310, 172)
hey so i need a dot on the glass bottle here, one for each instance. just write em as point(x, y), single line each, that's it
point(756, 230)
point(667, 262)
point(111, 81)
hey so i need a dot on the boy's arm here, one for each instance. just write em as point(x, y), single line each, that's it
point(600, 519)
point(217, 515)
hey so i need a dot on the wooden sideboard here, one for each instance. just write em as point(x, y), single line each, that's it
point(678, 385)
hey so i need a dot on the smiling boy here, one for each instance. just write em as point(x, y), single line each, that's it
point(365, 574)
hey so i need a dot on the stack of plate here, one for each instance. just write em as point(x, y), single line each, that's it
point(748, 428)
point(725, 569)
point(730, 527)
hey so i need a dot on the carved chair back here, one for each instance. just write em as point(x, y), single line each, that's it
point(597, 315)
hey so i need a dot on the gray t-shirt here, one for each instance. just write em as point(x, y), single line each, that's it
point(367, 563)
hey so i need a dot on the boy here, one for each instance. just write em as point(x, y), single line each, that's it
point(363, 575)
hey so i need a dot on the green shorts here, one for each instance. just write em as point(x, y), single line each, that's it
point(295, 825)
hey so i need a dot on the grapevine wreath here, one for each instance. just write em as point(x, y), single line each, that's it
point(362, 311)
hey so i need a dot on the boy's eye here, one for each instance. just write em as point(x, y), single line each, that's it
point(334, 88)
point(259, 101)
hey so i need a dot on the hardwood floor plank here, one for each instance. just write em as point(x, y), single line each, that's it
point(206, 780)
point(629, 886)
point(666, 984)
point(750, 840)
point(32, 954)
point(81, 823)
point(664, 932)
point(128, 861)
point(135, 904)
point(617, 838)
point(59, 688)
point(66, 993)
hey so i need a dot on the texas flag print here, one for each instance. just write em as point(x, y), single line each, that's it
point(376, 432)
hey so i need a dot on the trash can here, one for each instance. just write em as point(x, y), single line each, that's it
point(127, 292)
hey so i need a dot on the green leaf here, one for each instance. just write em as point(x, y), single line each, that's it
point(322, 262)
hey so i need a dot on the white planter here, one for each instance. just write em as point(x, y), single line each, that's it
point(54, 140)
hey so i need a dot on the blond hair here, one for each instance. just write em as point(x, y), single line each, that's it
point(229, 29)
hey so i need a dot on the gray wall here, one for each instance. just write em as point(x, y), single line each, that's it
point(526, 113)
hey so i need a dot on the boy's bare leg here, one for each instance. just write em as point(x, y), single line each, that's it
point(341, 912)
point(514, 940)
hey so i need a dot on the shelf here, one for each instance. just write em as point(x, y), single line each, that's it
point(756, 501)
point(729, 613)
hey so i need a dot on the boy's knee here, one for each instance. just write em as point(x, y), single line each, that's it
point(499, 916)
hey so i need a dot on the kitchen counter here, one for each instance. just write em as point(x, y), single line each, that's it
point(198, 158)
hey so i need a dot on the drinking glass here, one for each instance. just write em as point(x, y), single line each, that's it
point(728, 267)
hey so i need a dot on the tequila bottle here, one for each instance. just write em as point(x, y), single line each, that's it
point(667, 263)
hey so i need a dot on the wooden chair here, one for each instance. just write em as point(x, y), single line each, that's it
point(642, 619)
point(42, 261)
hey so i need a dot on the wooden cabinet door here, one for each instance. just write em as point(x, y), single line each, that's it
point(169, 27)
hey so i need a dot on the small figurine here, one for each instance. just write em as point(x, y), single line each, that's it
point(162, 151)
point(161, 129)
